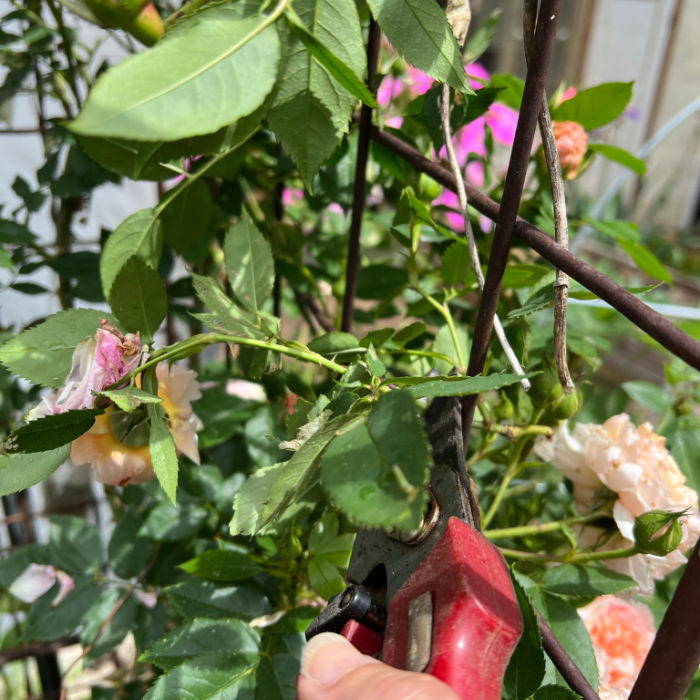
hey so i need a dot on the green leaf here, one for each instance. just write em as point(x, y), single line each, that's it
point(129, 398)
point(596, 106)
point(627, 235)
point(584, 581)
point(339, 70)
point(201, 638)
point(510, 89)
point(186, 218)
point(20, 471)
point(325, 541)
point(555, 692)
point(201, 598)
point(526, 667)
point(225, 315)
point(139, 235)
point(685, 448)
point(480, 39)
point(275, 677)
point(335, 343)
point(161, 443)
point(138, 298)
point(324, 577)
point(50, 432)
point(648, 396)
point(445, 344)
point(128, 552)
point(42, 354)
point(172, 91)
point(569, 629)
point(167, 523)
point(249, 264)
point(375, 471)
point(46, 622)
point(118, 623)
point(75, 545)
point(419, 31)
point(211, 677)
point(456, 265)
point(299, 473)
point(619, 155)
point(455, 386)
point(308, 94)
point(250, 500)
point(222, 565)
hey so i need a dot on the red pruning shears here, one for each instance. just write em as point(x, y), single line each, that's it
point(439, 599)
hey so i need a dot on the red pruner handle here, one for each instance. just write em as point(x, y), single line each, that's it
point(476, 621)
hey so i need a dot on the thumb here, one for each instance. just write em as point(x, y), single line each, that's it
point(332, 669)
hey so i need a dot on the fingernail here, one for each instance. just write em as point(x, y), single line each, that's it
point(328, 657)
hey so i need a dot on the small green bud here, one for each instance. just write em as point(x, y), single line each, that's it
point(505, 409)
point(147, 26)
point(658, 532)
point(565, 406)
point(546, 388)
point(428, 189)
point(115, 13)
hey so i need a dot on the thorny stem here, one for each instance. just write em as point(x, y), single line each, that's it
point(539, 528)
point(561, 229)
point(471, 243)
point(358, 194)
point(195, 343)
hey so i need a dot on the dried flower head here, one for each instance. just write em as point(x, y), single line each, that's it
point(634, 464)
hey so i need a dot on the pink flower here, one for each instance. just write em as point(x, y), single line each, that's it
point(635, 465)
point(572, 142)
point(477, 75)
point(622, 634)
point(116, 462)
point(502, 121)
point(389, 88)
point(97, 363)
point(292, 196)
point(567, 94)
point(419, 82)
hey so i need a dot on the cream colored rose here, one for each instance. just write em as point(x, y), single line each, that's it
point(635, 465)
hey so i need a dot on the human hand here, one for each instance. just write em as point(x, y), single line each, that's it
point(332, 669)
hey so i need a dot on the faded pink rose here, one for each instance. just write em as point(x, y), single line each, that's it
point(115, 462)
point(622, 634)
point(572, 143)
point(292, 196)
point(635, 465)
point(97, 363)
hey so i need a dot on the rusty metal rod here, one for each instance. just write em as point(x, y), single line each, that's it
point(570, 672)
point(512, 192)
point(360, 184)
point(644, 317)
point(675, 654)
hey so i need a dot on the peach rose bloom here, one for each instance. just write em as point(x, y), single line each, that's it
point(116, 463)
point(622, 634)
point(635, 465)
point(572, 142)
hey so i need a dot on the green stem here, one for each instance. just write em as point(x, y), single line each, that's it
point(67, 50)
point(185, 11)
point(538, 528)
point(421, 353)
point(511, 472)
point(580, 558)
point(513, 432)
point(444, 311)
point(197, 342)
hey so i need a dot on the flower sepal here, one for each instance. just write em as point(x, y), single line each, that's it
point(658, 532)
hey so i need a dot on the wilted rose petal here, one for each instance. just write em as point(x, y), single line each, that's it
point(147, 598)
point(243, 389)
point(33, 582)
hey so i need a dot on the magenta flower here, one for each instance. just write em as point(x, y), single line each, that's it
point(389, 88)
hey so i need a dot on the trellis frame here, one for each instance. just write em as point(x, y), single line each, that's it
point(675, 654)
